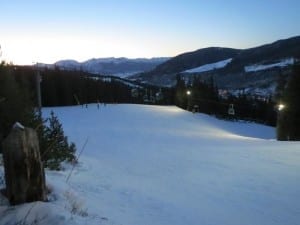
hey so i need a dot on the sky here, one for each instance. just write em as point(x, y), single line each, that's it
point(51, 30)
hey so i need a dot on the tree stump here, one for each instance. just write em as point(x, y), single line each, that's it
point(24, 172)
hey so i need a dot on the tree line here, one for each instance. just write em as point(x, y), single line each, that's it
point(62, 88)
point(281, 110)
point(201, 96)
point(288, 124)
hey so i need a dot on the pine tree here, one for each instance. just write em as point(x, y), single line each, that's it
point(281, 83)
point(38, 123)
point(204, 95)
point(180, 93)
point(57, 149)
point(15, 104)
point(288, 124)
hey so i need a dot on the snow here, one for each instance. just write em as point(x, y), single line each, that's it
point(259, 67)
point(127, 74)
point(161, 165)
point(258, 92)
point(19, 126)
point(209, 67)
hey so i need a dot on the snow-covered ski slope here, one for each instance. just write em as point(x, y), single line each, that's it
point(209, 67)
point(160, 165)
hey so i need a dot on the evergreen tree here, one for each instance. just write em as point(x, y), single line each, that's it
point(288, 124)
point(57, 149)
point(38, 123)
point(15, 102)
point(180, 93)
point(204, 95)
point(281, 83)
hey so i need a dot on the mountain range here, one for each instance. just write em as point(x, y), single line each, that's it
point(254, 70)
point(121, 67)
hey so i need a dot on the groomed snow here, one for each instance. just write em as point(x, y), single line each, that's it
point(161, 165)
point(258, 67)
point(209, 67)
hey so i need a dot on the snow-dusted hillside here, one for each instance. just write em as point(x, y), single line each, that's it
point(161, 165)
point(254, 69)
point(280, 64)
point(209, 67)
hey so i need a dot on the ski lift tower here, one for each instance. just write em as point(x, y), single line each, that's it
point(38, 80)
point(188, 93)
point(231, 111)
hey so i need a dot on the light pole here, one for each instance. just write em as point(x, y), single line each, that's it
point(281, 126)
point(280, 107)
point(188, 92)
point(38, 80)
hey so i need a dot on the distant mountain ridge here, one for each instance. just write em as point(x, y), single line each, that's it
point(194, 59)
point(232, 69)
point(254, 70)
point(120, 67)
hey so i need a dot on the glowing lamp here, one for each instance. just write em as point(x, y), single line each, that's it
point(281, 107)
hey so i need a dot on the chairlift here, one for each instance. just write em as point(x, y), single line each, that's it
point(145, 97)
point(151, 97)
point(195, 108)
point(134, 93)
point(159, 95)
point(231, 110)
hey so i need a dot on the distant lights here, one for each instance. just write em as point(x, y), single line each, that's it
point(188, 92)
point(281, 107)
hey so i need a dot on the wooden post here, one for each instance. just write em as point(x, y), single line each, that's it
point(24, 172)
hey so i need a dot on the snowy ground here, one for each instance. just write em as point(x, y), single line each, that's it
point(156, 165)
point(259, 67)
point(209, 67)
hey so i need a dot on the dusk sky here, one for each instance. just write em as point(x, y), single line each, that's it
point(47, 31)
